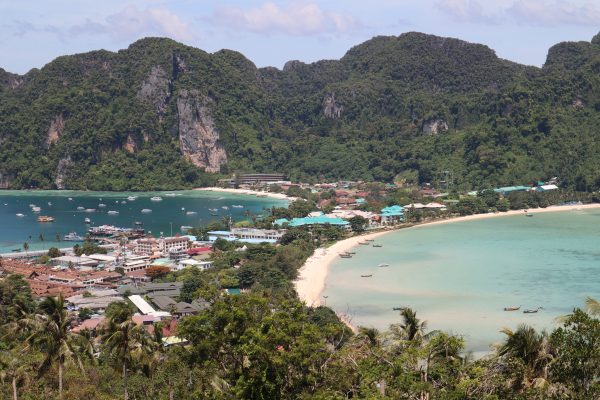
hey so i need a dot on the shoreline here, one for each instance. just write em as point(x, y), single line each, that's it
point(312, 276)
point(278, 196)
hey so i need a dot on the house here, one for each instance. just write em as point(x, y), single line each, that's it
point(312, 221)
point(202, 265)
point(392, 215)
point(545, 188)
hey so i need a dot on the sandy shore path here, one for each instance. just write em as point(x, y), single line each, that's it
point(313, 274)
point(279, 196)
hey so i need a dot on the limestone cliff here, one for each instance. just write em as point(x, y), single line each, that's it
point(56, 128)
point(199, 140)
point(434, 126)
point(156, 89)
point(61, 172)
point(130, 146)
point(6, 180)
point(330, 108)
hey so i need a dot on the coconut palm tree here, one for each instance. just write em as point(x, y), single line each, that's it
point(26, 247)
point(129, 344)
point(50, 334)
point(413, 327)
point(532, 348)
point(14, 369)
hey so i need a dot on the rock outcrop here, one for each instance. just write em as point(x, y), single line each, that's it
point(61, 172)
point(199, 140)
point(434, 126)
point(156, 90)
point(56, 128)
point(130, 146)
point(6, 180)
point(330, 108)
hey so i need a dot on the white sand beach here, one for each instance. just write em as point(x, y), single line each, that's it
point(313, 274)
point(279, 196)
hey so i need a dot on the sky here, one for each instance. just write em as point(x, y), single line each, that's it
point(269, 33)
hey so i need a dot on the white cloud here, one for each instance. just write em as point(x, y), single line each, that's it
point(128, 24)
point(523, 12)
point(296, 18)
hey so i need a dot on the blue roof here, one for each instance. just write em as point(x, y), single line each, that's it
point(392, 211)
point(320, 220)
point(508, 189)
point(219, 233)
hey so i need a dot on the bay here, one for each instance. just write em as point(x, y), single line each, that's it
point(166, 217)
point(459, 276)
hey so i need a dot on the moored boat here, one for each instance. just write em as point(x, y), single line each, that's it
point(80, 208)
point(156, 198)
point(45, 218)
point(90, 210)
point(20, 215)
point(377, 245)
point(533, 311)
point(364, 243)
point(36, 209)
point(512, 308)
point(101, 205)
point(131, 198)
point(383, 265)
point(112, 212)
point(72, 237)
point(87, 221)
point(366, 276)
point(237, 206)
point(146, 210)
point(191, 213)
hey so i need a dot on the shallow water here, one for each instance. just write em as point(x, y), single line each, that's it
point(165, 215)
point(459, 276)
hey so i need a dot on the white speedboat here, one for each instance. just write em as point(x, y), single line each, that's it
point(146, 210)
point(156, 198)
point(49, 203)
point(123, 202)
point(36, 209)
point(112, 212)
point(90, 210)
point(225, 208)
point(237, 206)
point(182, 208)
point(185, 228)
point(101, 205)
point(191, 213)
point(131, 198)
point(87, 221)
point(70, 199)
point(81, 208)
point(72, 237)
point(20, 215)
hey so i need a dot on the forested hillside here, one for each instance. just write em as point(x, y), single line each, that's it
point(161, 115)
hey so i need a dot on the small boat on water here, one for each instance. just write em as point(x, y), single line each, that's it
point(383, 265)
point(529, 215)
point(101, 205)
point(80, 208)
point(131, 198)
point(49, 203)
point(123, 202)
point(214, 214)
point(225, 208)
point(70, 199)
point(369, 240)
point(364, 243)
point(345, 256)
point(397, 308)
point(112, 212)
point(366, 276)
point(170, 194)
point(32, 205)
point(512, 308)
point(377, 245)
point(182, 208)
point(87, 221)
point(15, 250)
point(146, 210)
point(191, 213)
point(533, 311)
point(72, 237)
point(90, 210)
point(237, 206)
point(156, 198)
point(185, 228)
point(44, 218)
point(20, 215)
point(351, 252)
point(36, 209)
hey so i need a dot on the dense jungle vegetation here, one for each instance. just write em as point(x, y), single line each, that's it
point(414, 105)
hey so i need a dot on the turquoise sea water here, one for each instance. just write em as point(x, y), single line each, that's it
point(14, 231)
point(459, 276)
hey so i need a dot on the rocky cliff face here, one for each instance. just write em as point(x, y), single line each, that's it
point(156, 89)
point(6, 181)
point(434, 126)
point(199, 140)
point(330, 108)
point(61, 172)
point(56, 128)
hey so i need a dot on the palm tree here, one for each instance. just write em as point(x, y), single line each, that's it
point(26, 247)
point(129, 344)
point(592, 306)
point(12, 368)
point(413, 327)
point(51, 335)
point(532, 348)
